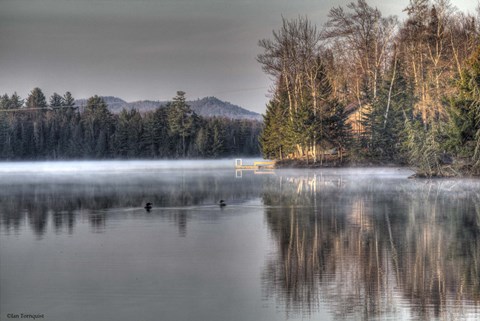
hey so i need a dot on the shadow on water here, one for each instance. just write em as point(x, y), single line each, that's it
point(366, 247)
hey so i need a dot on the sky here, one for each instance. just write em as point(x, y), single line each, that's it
point(150, 49)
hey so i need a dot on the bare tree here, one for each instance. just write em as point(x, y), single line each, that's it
point(295, 59)
point(364, 36)
point(434, 42)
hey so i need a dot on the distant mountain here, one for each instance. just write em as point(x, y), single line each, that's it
point(214, 107)
point(114, 103)
point(205, 107)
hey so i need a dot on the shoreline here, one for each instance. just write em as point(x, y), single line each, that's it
point(301, 163)
point(446, 171)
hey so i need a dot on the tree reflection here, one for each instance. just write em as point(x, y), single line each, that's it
point(63, 220)
point(364, 247)
point(40, 201)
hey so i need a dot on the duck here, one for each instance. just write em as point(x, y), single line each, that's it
point(148, 207)
point(222, 203)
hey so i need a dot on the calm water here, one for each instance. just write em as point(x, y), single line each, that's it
point(77, 244)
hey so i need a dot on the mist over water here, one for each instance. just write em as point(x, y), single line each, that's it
point(61, 167)
point(330, 244)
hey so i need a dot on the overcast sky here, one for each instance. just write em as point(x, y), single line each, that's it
point(149, 49)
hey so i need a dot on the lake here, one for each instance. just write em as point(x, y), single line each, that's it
point(331, 244)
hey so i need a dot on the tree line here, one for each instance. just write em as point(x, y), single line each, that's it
point(36, 130)
point(377, 89)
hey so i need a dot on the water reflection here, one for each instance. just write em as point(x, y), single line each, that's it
point(371, 248)
point(343, 245)
point(38, 200)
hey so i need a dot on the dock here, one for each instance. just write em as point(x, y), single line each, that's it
point(256, 165)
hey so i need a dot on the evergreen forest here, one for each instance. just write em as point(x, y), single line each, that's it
point(365, 88)
point(35, 129)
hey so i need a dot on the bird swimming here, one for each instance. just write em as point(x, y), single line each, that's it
point(148, 207)
point(222, 203)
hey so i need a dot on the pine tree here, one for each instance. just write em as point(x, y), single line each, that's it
point(36, 99)
point(4, 137)
point(122, 134)
point(338, 129)
point(155, 138)
point(68, 100)
point(218, 133)
point(5, 102)
point(129, 134)
point(463, 128)
point(56, 101)
point(15, 101)
point(98, 126)
point(67, 118)
point(274, 138)
point(180, 121)
point(424, 148)
point(201, 142)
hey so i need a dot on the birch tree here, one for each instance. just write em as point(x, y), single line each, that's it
point(364, 36)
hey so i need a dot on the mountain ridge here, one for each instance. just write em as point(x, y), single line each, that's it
point(206, 107)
